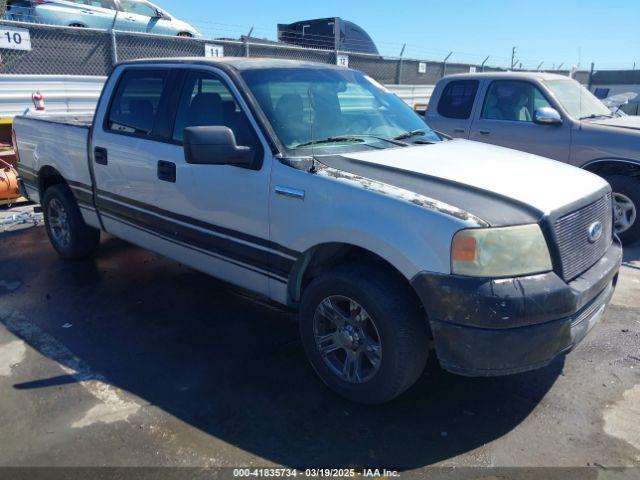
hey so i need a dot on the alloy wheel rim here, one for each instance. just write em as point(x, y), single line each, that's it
point(347, 339)
point(624, 212)
point(58, 223)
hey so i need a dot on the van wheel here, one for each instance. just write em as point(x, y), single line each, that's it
point(76, 25)
point(72, 238)
point(185, 34)
point(626, 205)
point(364, 333)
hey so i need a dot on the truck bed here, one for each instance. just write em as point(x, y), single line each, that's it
point(53, 141)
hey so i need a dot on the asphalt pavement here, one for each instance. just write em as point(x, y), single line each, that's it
point(131, 359)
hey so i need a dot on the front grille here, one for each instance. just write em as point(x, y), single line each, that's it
point(577, 253)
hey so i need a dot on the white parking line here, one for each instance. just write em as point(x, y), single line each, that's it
point(115, 404)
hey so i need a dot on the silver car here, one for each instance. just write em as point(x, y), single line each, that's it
point(549, 115)
point(128, 15)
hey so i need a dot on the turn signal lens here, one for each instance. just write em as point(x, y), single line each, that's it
point(465, 248)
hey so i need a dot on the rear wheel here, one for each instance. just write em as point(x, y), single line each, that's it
point(185, 34)
point(72, 238)
point(364, 333)
point(626, 203)
point(77, 25)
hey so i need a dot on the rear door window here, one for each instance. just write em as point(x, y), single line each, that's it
point(135, 105)
point(457, 99)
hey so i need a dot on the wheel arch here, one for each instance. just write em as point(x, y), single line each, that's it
point(613, 166)
point(48, 176)
point(320, 258)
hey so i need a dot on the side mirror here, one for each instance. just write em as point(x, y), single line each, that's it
point(547, 116)
point(215, 146)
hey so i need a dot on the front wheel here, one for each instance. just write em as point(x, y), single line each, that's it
point(626, 202)
point(364, 333)
point(72, 238)
point(185, 34)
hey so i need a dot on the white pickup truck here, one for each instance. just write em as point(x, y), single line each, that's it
point(315, 187)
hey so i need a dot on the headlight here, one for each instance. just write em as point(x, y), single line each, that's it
point(500, 252)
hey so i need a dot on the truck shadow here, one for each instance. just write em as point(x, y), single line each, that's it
point(631, 257)
point(234, 368)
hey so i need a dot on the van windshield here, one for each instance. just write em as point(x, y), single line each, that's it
point(333, 110)
point(579, 102)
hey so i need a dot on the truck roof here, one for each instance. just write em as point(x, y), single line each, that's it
point(238, 63)
point(509, 75)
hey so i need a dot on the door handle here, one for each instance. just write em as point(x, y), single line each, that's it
point(167, 171)
point(100, 156)
point(485, 132)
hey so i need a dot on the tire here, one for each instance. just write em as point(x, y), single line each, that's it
point(398, 323)
point(626, 195)
point(71, 237)
point(77, 25)
point(185, 35)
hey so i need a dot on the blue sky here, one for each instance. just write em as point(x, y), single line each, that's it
point(553, 32)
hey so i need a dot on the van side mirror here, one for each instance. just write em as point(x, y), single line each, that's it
point(547, 116)
point(213, 145)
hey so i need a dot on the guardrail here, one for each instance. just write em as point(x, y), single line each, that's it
point(62, 93)
point(79, 94)
point(416, 96)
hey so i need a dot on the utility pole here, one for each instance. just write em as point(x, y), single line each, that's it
point(540, 66)
point(514, 50)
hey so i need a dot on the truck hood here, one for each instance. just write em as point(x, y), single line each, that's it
point(499, 185)
point(629, 122)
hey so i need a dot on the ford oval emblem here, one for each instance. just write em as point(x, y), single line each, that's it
point(595, 232)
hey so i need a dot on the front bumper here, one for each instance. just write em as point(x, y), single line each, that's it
point(487, 327)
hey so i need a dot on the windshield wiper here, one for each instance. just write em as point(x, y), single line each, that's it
point(411, 134)
point(353, 138)
point(394, 141)
point(331, 140)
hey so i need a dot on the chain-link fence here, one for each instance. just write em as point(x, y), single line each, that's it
point(78, 51)
point(81, 51)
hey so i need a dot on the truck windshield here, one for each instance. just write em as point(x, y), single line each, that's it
point(579, 102)
point(331, 110)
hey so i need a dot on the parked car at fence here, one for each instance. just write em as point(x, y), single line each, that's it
point(549, 115)
point(315, 187)
point(128, 15)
